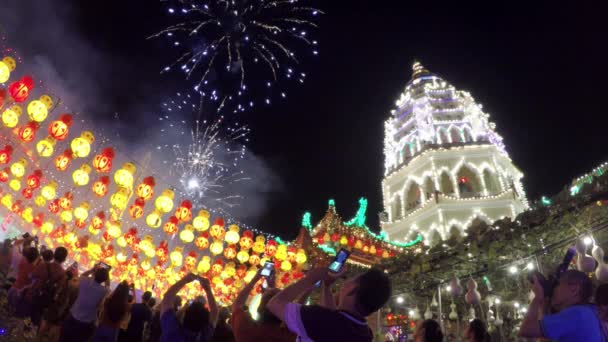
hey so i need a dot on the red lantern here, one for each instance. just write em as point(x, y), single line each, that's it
point(59, 129)
point(162, 252)
point(54, 206)
point(202, 242)
point(98, 221)
point(335, 237)
point(134, 260)
point(131, 236)
point(5, 154)
point(321, 239)
point(80, 223)
point(38, 219)
point(17, 208)
point(184, 212)
point(137, 209)
point(20, 90)
point(246, 240)
point(33, 180)
point(27, 193)
point(351, 241)
point(107, 251)
point(27, 133)
point(230, 252)
point(103, 161)
point(170, 226)
point(4, 174)
point(63, 160)
point(100, 187)
point(2, 96)
point(145, 190)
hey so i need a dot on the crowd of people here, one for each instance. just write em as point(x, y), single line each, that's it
point(64, 305)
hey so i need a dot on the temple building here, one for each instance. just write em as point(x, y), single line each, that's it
point(445, 165)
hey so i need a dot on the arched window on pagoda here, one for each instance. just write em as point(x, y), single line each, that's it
point(429, 188)
point(442, 136)
point(413, 198)
point(491, 181)
point(455, 234)
point(435, 238)
point(407, 152)
point(447, 187)
point(396, 208)
point(455, 135)
point(466, 132)
point(468, 183)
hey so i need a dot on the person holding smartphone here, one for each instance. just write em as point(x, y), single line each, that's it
point(359, 297)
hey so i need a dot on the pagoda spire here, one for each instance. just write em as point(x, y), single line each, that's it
point(418, 69)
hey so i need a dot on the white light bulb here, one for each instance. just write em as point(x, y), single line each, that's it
point(399, 300)
point(411, 312)
point(448, 288)
point(516, 304)
point(513, 270)
point(497, 301)
point(587, 240)
point(530, 266)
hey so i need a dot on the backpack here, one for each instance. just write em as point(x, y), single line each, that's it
point(44, 296)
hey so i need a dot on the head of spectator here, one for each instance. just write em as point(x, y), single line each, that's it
point(224, 315)
point(47, 255)
point(61, 253)
point(117, 304)
point(574, 287)
point(145, 298)
point(151, 303)
point(601, 299)
point(476, 331)
point(365, 293)
point(30, 254)
point(101, 275)
point(428, 331)
point(196, 318)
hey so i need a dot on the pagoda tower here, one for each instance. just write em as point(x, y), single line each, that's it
point(445, 165)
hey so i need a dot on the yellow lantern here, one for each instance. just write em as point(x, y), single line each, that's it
point(216, 248)
point(286, 266)
point(343, 240)
point(164, 202)
point(187, 235)
point(40, 201)
point(242, 256)
point(121, 257)
point(259, 244)
point(5, 69)
point(82, 211)
point(153, 220)
point(114, 229)
point(120, 198)
point(281, 252)
point(201, 222)
point(46, 228)
point(81, 175)
point(66, 216)
point(232, 236)
point(359, 244)
point(37, 110)
point(81, 146)
point(10, 62)
point(147, 246)
point(27, 215)
point(301, 256)
point(7, 200)
point(204, 265)
point(15, 184)
point(124, 176)
point(121, 241)
point(49, 191)
point(10, 116)
point(47, 100)
point(46, 147)
point(18, 168)
point(176, 257)
point(145, 265)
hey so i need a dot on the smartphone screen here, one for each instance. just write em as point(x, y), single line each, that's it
point(268, 269)
point(339, 261)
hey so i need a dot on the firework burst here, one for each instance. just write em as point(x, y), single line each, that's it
point(241, 51)
point(206, 159)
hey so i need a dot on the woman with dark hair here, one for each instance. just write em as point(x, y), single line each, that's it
point(428, 331)
point(477, 331)
point(23, 281)
point(115, 308)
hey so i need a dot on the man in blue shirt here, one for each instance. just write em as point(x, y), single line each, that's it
point(574, 318)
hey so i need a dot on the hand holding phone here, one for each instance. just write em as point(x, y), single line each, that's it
point(268, 269)
point(339, 261)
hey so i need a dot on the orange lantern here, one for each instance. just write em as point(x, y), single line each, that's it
point(217, 267)
point(246, 240)
point(59, 129)
point(136, 210)
point(4, 174)
point(291, 253)
point(27, 193)
point(254, 259)
point(80, 223)
point(98, 221)
point(184, 212)
point(190, 261)
point(103, 161)
point(100, 187)
point(230, 252)
point(217, 229)
point(63, 160)
point(54, 206)
point(20, 90)
point(38, 219)
point(5, 154)
point(170, 227)
point(202, 242)
point(162, 252)
point(145, 190)
point(65, 202)
point(271, 248)
point(33, 180)
point(27, 133)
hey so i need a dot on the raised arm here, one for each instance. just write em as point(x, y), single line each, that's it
point(327, 298)
point(169, 298)
point(530, 326)
point(241, 298)
point(89, 273)
point(213, 309)
point(279, 302)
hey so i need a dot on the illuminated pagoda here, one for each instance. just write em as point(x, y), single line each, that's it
point(445, 165)
point(332, 233)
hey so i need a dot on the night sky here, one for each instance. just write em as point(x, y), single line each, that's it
point(540, 72)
